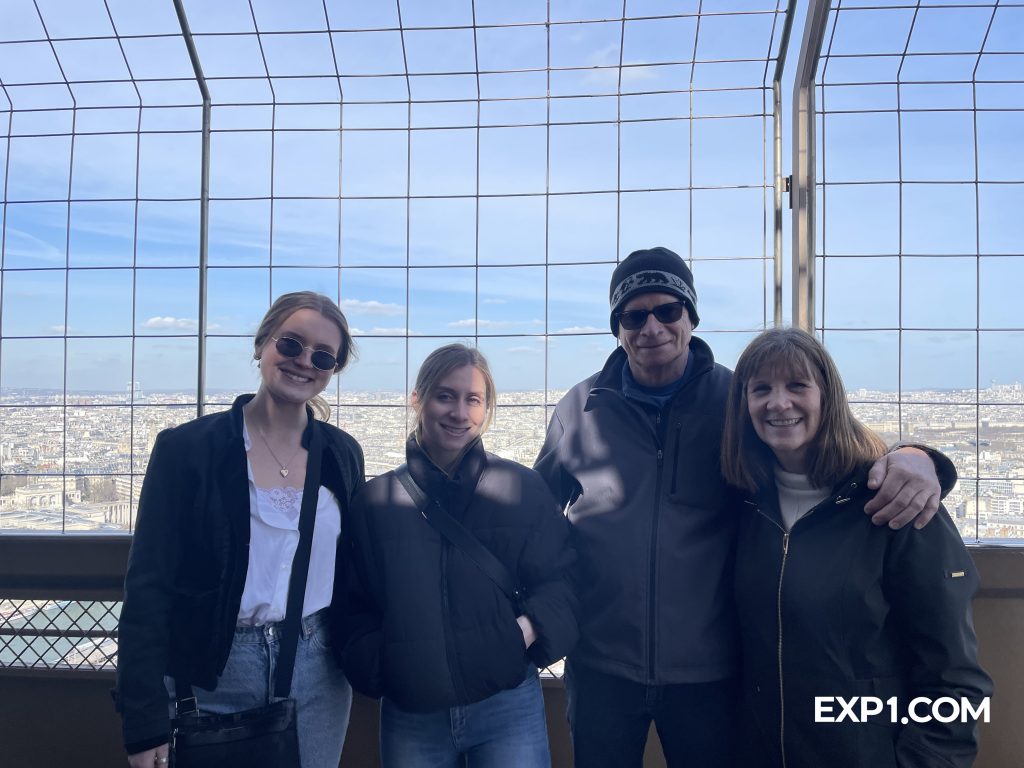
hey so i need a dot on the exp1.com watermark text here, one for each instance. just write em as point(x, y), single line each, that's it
point(859, 709)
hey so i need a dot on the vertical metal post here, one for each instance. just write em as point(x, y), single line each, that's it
point(780, 66)
point(804, 177)
point(204, 205)
point(777, 223)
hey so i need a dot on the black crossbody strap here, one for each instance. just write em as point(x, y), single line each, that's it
point(419, 498)
point(300, 568)
point(457, 534)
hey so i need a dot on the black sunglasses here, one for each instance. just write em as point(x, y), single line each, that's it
point(321, 359)
point(664, 313)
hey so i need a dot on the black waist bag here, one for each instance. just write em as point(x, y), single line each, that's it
point(264, 737)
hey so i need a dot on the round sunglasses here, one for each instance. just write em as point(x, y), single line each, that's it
point(321, 359)
point(633, 319)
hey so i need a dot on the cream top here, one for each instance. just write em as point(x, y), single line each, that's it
point(797, 496)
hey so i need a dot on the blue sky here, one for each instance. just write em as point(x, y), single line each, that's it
point(520, 204)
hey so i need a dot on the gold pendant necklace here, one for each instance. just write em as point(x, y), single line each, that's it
point(284, 465)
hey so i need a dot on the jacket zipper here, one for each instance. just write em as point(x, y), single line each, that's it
point(778, 615)
point(659, 441)
point(836, 499)
point(675, 453)
point(449, 650)
point(778, 619)
point(782, 697)
point(651, 580)
point(651, 603)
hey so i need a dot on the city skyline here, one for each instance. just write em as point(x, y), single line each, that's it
point(87, 476)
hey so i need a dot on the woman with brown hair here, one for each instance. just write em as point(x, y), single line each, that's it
point(450, 628)
point(208, 577)
point(829, 604)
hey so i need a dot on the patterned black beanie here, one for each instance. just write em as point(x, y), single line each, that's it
point(652, 270)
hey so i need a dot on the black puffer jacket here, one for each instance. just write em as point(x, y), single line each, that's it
point(423, 625)
point(840, 607)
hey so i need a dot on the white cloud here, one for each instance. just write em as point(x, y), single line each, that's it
point(171, 323)
point(380, 332)
point(603, 55)
point(525, 350)
point(637, 74)
point(582, 329)
point(391, 331)
point(371, 307)
point(25, 244)
point(471, 322)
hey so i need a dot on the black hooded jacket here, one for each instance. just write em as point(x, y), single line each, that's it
point(422, 624)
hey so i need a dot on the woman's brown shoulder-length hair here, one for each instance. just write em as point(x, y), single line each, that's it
point(842, 444)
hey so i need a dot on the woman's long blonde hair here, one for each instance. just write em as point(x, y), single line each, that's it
point(284, 307)
point(842, 443)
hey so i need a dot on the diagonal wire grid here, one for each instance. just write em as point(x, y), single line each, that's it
point(46, 634)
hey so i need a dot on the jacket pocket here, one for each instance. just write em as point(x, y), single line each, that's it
point(696, 474)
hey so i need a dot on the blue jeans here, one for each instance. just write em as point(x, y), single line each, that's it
point(506, 730)
point(323, 697)
point(610, 717)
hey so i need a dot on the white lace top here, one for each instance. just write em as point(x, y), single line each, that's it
point(273, 539)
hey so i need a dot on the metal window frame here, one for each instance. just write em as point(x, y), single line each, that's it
point(804, 160)
point(204, 205)
point(808, 108)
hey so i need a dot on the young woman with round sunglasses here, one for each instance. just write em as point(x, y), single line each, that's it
point(453, 655)
point(217, 530)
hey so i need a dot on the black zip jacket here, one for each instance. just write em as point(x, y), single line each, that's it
point(189, 559)
point(423, 624)
point(652, 523)
point(841, 607)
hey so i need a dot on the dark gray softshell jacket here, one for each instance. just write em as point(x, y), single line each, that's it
point(653, 524)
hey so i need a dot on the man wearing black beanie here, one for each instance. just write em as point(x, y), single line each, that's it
point(633, 451)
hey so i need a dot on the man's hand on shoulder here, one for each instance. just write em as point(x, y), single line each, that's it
point(908, 489)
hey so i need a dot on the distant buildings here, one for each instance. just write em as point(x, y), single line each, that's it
point(77, 463)
point(43, 493)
